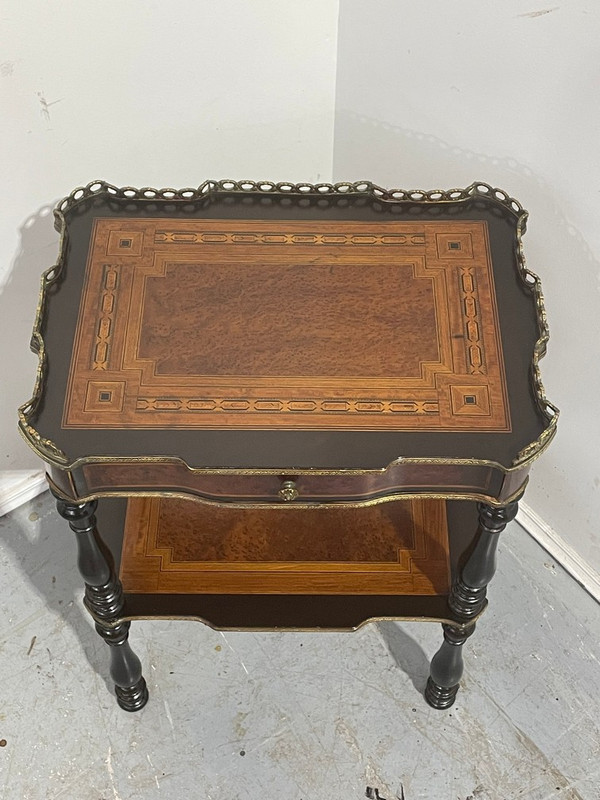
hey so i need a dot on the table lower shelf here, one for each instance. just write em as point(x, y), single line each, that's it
point(288, 567)
point(184, 547)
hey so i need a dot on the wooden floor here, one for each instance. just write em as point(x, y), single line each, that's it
point(294, 715)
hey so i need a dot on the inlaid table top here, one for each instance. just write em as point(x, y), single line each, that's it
point(245, 330)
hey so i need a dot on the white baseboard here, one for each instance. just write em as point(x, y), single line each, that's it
point(18, 487)
point(560, 551)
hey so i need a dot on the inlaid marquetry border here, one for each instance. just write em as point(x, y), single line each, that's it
point(105, 318)
point(170, 236)
point(262, 405)
point(467, 331)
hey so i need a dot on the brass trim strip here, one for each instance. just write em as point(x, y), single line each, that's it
point(469, 462)
point(51, 453)
point(133, 618)
point(45, 448)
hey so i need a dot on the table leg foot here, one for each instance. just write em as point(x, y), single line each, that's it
point(447, 667)
point(132, 698)
point(440, 697)
point(125, 666)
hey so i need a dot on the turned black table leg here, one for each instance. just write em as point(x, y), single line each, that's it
point(469, 592)
point(104, 601)
point(447, 667)
point(467, 600)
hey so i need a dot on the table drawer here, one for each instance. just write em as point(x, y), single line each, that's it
point(480, 481)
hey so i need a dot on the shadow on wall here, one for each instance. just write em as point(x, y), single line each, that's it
point(18, 301)
point(387, 154)
point(397, 157)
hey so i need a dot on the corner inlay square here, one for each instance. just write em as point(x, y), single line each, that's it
point(454, 245)
point(122, 243)
point(105, 397)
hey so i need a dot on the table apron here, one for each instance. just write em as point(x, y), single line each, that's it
point(478, 481)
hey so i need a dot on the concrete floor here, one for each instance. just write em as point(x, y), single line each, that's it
point(295, 716)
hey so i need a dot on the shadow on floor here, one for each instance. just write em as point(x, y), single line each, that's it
point(45, 550)
point(407, 654)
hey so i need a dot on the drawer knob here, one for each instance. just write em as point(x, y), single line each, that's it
point(288, 491)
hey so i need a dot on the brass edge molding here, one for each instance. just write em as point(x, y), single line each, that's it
point(208, 187)
point(52, 454)
point(44, 447)
point(133, 617)
point(469, 462)
point(550, 411)
point(194, 617)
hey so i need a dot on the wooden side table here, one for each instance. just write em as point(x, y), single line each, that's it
point(288, 406)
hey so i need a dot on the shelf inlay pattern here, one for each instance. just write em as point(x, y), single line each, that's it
point(184, 547)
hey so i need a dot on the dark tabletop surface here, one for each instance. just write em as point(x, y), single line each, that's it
point(281, 448)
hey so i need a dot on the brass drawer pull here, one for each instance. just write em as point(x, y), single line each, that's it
point(288, 491)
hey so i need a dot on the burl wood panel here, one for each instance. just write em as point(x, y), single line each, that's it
point(291, 324)
point(184, 547)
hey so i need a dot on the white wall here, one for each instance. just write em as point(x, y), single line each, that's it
point(432, 94)
point(438, 94)
point(144, 93)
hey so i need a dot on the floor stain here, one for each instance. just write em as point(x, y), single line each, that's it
point(374, 779)
point(533, 14)
point(373, 794)
point(240, 729)
point(345, 732)
point(478, 792)
point(562, 782)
